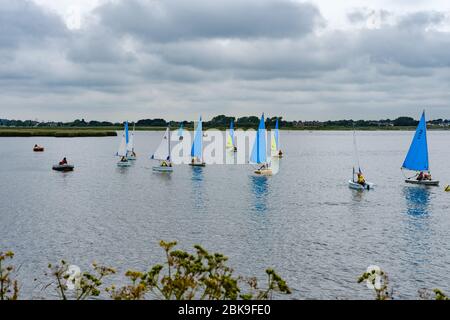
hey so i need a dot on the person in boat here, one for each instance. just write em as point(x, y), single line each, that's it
point(263, 167)
point(420, 176)
point(361, 179)
point(423, 176)
point(133, 154)
point(164, 164)
point(123, 159)
point(63, 161)
point(280, 153)
point(35, 146)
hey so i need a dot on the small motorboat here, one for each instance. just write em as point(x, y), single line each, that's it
point(37, 148)
point(63, 167)
point(357, 186)
point(423, 182)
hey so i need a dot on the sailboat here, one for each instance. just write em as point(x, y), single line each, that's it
point(122, 152)
point(131, 155)
point(231, 145)
point(259, 151)
point(275, 143)
point(197, 147)
point(353, 183)
point(180, 132)
point(417, 157)
point(162, 154)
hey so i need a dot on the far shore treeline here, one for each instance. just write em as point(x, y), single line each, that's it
point(222, 121)
point(93, 128)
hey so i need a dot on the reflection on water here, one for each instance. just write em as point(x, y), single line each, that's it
point(417, 200)
point(260, 190)
point(417, 230)
point(197, 187)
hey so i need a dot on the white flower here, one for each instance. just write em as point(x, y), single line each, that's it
point(74, 277)
point(374, 279)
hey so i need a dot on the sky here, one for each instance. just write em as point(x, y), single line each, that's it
point(176, 59)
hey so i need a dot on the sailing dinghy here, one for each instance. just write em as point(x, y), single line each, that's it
point(197, 147)
point(417, 157)
point(162, 154)
point(353, 183)
point(231, 145)
point(122, 152)
point(275, 143)
point(131, 155)
point(259, 152)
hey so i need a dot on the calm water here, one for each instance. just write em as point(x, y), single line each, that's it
point(304, 221)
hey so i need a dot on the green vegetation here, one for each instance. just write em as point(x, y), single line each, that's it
point(223, 122)
point(9, 288)
point(183, 276)
point(55, 132)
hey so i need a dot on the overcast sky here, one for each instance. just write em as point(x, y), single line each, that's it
point(176, 59)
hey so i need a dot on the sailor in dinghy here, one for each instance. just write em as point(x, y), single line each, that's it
point(122, 152)
point(417, 157)
point(360, 183)
point(197, 147)
point(162, 154)
point(259, 151)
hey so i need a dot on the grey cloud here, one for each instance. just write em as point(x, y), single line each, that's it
point(23, 22)
point(173, 20)
point(421, 20)
point(171, 58)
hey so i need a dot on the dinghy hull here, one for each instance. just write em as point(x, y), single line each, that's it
point(197, 164)
point(357, 186)
point(131, 158)
point(63, 167)
point(122, 164)
point(163, 169)
point(423, 182)
point(264, 172)
point(38, 149)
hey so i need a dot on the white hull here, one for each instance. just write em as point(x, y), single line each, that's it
point(264, 172)
point(423, 182)
point(123, 164)
point(357, 186)
point(162, 169)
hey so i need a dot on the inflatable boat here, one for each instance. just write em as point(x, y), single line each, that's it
point(63, 167)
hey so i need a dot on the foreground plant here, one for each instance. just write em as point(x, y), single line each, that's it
point(377, 280)
point(188, 276)
point(9, 289)
point(435, 294)
point(72, 284)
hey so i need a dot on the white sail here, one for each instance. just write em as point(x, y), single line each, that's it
point(122, 152)
point(162, 152)
point(130, 146)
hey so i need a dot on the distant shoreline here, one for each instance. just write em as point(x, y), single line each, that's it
point(56, 132)
point(112, 131)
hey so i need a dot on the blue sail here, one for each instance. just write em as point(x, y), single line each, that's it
point(196, 150)
point(417, 157)
point(232, 132)
point(127, 139)
point(259, 153)
point(276, 134)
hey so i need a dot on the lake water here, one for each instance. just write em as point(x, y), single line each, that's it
point(305, 221)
